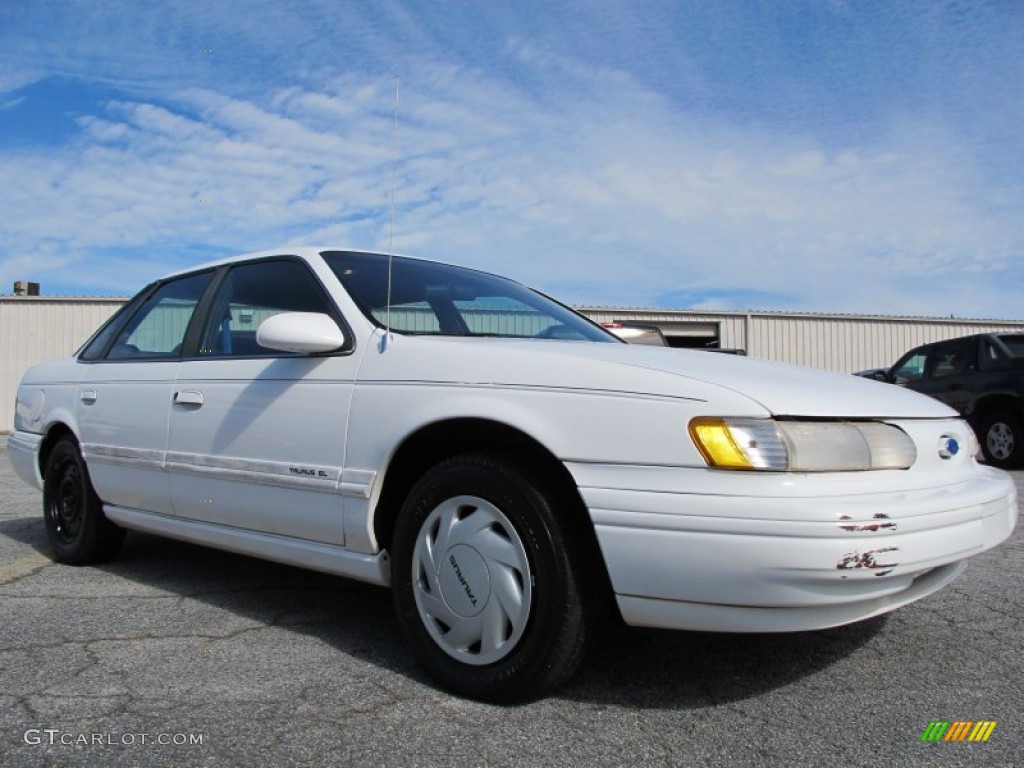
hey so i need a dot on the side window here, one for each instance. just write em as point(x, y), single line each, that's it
point(911, 369)
point(94, 347)
point(949, 360)
point(158, 328)
point(249, 295)
point(991, 356)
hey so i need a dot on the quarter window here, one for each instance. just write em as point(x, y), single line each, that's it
point(157, 330)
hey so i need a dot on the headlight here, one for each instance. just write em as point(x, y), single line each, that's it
point(802, 446)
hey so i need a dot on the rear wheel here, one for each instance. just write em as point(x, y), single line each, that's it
point(1002, 440)
point(78, 530)
point(485, 588)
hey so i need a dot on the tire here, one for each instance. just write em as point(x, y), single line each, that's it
point(485, 588)
point(1002, 440)
point(79, 532)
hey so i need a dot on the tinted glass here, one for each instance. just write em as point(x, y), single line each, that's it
point(1014, 342)
point(94, 347)
point(439, 299)
point(158, 328)
point(249, 294)
point(950, 359)
point(910, 369)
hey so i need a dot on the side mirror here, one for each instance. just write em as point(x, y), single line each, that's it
point(304, 332)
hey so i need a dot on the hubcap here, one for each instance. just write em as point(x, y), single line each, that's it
point(471, 580)
point(1000, 440)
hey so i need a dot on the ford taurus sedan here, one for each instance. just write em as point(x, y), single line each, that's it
point(510, 469)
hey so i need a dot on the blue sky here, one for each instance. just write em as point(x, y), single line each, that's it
point(819, 156)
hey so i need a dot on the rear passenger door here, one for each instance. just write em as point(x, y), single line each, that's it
point(256, 437)
point(950, 365)
point(125, 393)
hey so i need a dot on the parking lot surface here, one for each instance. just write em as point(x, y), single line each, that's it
point(179, 655)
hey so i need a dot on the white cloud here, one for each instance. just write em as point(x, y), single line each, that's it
point(566, 175)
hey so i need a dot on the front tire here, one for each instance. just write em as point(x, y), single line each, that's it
point(485, 587)
point(1002, 440)
point(78, 530)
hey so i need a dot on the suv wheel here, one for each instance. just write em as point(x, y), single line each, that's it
point(1002, 440)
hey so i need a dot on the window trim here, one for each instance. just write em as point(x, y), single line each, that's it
point(127, 313)
point(193, 337)
point(945, 347)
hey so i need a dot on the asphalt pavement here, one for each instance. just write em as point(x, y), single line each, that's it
point(180, 655)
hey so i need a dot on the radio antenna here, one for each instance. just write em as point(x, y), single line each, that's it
point(391, 221)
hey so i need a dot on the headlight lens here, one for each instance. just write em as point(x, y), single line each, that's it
point(802, 446)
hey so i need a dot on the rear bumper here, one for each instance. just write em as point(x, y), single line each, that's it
point(23, 452)
point(783, 552)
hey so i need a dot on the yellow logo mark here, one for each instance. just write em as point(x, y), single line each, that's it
point(958, 730)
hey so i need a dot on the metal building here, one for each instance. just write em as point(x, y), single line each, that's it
point(840, 343)
point(37, 328)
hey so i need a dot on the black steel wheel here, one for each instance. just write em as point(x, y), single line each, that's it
point(78, 530)
point(485, 586)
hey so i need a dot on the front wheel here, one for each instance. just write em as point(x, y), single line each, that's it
point(1002, 440)
point(484, 586)
point(78, 530)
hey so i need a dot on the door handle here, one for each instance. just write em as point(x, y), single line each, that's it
point(188, 397)
point(88, 396)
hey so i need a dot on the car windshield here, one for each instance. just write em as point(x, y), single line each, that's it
point(443, 300)
point(1014, 342)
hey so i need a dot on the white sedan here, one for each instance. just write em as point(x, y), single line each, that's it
point(509, 468)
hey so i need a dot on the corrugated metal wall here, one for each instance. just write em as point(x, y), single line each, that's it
point(841, 343)
point(33, 329)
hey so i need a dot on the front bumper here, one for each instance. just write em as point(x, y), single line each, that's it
point(23, 452)
point(750, 552)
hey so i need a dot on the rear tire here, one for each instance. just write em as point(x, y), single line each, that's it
point(78, 530)
point(485, 587)
point(1002, 440)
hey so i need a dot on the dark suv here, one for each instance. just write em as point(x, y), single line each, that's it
point(982, 376)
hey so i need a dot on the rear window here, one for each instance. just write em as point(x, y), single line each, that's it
point(1014, 342)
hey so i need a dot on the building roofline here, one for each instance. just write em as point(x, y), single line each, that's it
point(802, 315)
point(709, 313)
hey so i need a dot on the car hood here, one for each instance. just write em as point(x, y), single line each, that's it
point(779, 388)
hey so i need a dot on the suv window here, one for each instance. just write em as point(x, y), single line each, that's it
point(950, 359)
point(249, 294)
point(912, 368)
point(158, 328)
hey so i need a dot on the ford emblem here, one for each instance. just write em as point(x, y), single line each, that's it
point(948, 447)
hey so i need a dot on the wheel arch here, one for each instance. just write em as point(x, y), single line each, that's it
point(432, 443)
point(54, 432)
point(997, 402)
point(443, 439)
